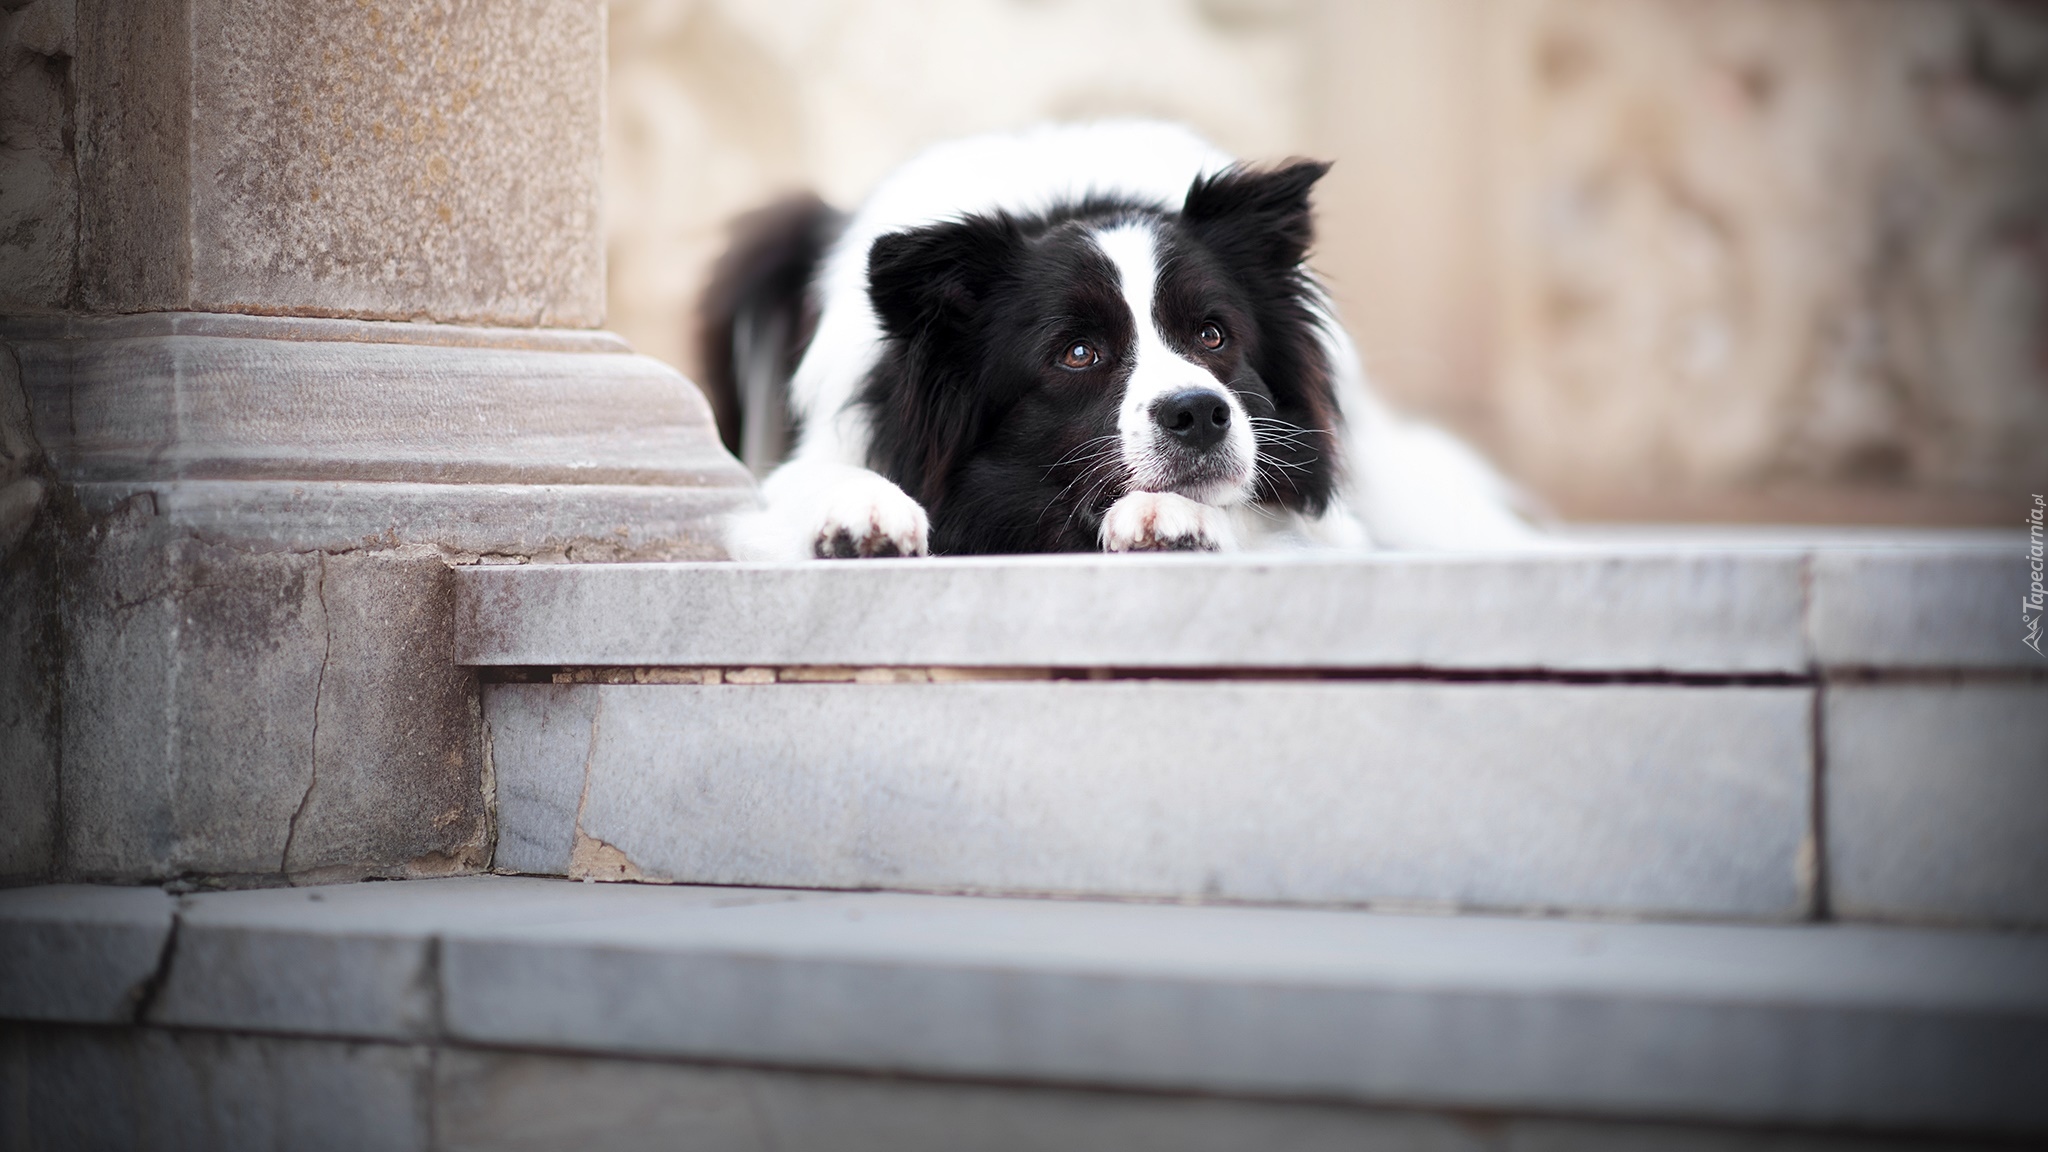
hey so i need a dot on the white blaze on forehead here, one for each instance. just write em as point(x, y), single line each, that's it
point(1132, 248)
point(1157, 370)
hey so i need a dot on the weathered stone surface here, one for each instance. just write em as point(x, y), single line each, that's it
point(255, 600)
point(146, 1090)
point(400, 161)
point(1937, 801)
point(491, 522)
point(38, 169)
point(28, 719)
point(133, 77)
point(283, 960)
point(352, 960)
point(21, 457)
point(303, 434)
point(184, 397)
point(511, 1101)
point(537, 737)
point(243, 713)
point(1872, 1028)
point(397, 762)
point(1952, 609)
point(259, 514)
point(1552, 1134)
point(79, 954)
point(190, 679)
point(1730, 612)
point(29, 646)
point(1820, 1025)
point(254, 511)
point(505, 1101)
point(1636, 799)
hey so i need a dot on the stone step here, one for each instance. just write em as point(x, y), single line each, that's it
point(1717, 611)
point(1821, 1026)
point(1643, 799)
point(1766, 733)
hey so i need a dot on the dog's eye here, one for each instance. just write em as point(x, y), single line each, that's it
point(1078, 355)
point(1211, 336)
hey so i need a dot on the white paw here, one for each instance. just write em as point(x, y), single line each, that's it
point(1164, 522)
point(868, 516)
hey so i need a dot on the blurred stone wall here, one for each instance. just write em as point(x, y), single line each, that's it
point(1774, 246)
point(717, 105)
point(1757, 259)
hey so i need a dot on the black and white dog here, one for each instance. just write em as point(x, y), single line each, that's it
point(1096, 337)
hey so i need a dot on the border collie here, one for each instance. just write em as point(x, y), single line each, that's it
point(1075, 338)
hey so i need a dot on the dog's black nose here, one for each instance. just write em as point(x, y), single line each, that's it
point(1197, 417)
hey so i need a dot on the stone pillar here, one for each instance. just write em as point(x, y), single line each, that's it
point(300, 308)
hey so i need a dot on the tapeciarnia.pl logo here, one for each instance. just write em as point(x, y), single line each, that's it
point(2037, 596)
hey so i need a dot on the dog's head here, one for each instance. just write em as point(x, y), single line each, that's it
point(1037, 369)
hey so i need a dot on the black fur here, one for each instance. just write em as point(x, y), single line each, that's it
point(970, 412)
point(974, 417)
point(757, 305)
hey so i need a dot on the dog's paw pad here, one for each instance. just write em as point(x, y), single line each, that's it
point(1163, 522)
point(875, 520)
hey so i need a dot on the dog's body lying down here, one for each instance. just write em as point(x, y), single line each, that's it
point(1098, 337)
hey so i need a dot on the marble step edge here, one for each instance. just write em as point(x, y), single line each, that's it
point(185, 406)
point(1825, 1025)
point(1596, 608)
point(314, 329)
point(465, 521)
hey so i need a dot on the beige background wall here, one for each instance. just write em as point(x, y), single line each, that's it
point(716, 105)
point(1776, 259)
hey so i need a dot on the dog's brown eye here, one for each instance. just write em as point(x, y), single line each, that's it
point(1212, 337)
point(1078, 356)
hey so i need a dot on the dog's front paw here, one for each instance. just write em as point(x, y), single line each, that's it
point(871, 518)
point(1163, 522)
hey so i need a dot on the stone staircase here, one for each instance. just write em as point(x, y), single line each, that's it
point(1748, 734)
point(1618, 846)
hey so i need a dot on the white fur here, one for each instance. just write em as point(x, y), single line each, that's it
point(809, 505)
point(1166, 521)
point(1160, 371)
point(1411, 485)
point(1406, 485)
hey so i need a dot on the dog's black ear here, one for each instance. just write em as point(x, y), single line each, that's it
point(1255, 218)
point(936, 277)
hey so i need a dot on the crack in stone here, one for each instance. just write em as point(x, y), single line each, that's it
point(591, 858)
point(436, 995)
point(1813, 871)
point(144, 995)
point(488, 776)
point(1811, 865)
point(319, 685)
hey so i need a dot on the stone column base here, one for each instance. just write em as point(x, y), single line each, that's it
point(228, 625)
